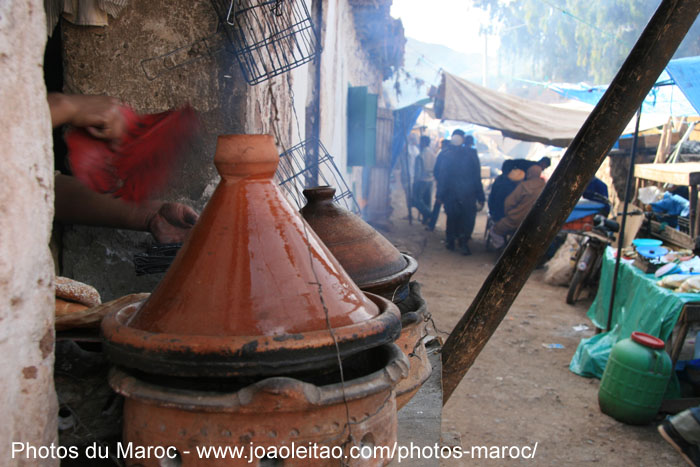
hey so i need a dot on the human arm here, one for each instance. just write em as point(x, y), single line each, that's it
point(77, 204)
point(100, 116)
point(480, 197)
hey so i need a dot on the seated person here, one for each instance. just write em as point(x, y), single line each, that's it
point(502, 186)
point(518, 204)
point(525, 164)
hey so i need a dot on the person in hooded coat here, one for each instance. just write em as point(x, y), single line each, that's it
point(502, 186)
point(460, 188)
point(520, 201)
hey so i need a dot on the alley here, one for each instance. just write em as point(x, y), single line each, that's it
point(519, 392)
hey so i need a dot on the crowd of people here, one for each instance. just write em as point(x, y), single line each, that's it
point(457, 176)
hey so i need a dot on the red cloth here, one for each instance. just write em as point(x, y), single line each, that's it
point(142, 163)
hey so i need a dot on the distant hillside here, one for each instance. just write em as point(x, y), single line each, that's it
point(422, 65)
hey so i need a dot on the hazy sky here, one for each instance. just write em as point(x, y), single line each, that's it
point(454, 23)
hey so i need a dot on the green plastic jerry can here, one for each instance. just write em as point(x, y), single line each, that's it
point(635, 379)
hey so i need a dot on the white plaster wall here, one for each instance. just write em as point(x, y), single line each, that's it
point(344, 63)
point(28, 406)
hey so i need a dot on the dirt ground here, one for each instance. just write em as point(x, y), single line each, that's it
point(518, 392)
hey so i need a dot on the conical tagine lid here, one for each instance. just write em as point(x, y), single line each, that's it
point(369, 258)
point(253, 291)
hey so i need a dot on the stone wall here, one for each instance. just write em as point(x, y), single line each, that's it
point(161, 54)
point(27, 399)
point(156, 56)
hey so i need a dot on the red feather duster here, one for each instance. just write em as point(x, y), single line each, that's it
point(143, 162)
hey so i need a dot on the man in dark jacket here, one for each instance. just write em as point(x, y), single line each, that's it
point(460, 189)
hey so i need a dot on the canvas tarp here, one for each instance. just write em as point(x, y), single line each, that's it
point(518, 118)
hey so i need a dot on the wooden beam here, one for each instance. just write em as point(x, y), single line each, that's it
point(646, 61)
point(671, 235)
point(679, 174)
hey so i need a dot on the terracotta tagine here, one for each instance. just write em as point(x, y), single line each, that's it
point(253, 291)
point(370, 259)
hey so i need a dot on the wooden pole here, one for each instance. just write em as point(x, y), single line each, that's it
point(313, 109)
point(623, 224)
point(646, 61)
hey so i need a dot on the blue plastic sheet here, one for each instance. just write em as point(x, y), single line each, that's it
point(404, 119)
point(585, 208)
point(686, 73)
point(673, 205)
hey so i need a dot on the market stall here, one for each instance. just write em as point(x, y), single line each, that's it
point(640, 305)
point(678, 174)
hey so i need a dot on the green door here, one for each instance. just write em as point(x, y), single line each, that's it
point(362, 127)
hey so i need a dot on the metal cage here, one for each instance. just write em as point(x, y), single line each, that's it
point(303, 164)
point(268, 37)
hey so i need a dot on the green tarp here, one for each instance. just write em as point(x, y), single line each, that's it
point(640, 305)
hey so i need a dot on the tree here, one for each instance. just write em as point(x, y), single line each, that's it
point(571, 40)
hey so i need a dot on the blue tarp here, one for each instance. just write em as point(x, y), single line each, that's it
point(664, 98)
point(676, 92)
point(585, 208)
point(404, 119)
point(686, 73)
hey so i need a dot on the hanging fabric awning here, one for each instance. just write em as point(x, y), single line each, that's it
point(404, 119)
point(518, 118)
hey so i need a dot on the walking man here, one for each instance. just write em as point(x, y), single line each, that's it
point(460, 189)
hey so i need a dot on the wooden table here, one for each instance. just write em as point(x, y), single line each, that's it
point(679, 174)
point(690, 315)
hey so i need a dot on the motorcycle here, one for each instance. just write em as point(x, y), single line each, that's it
point(589, 257)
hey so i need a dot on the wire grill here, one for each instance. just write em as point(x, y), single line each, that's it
point(269, 37)
point(298, 170)
point(156, 259)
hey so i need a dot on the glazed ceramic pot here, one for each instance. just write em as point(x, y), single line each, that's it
point(253, 292)
point(370, 259)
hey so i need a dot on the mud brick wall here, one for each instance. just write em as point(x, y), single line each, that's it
point(156, 56)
